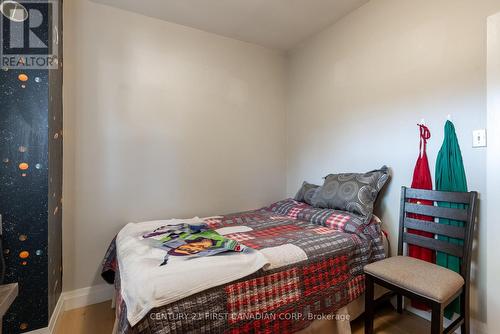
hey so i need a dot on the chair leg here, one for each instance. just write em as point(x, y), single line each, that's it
point(369, 304)
point(464, 310)
point(399, 303)
point(437, 319)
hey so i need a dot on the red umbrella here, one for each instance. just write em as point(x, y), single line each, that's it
point(422, 180)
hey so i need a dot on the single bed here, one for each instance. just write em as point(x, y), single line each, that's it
point(317, 290)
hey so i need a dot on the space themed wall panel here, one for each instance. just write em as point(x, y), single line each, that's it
point(24, 194)
point(31, 192)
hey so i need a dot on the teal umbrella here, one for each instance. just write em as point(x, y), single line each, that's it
point(450, 176)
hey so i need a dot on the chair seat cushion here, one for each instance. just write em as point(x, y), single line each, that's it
point(422, 278)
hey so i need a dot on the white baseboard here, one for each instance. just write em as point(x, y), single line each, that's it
point(87, 296)
point(477, 327)
point(70, 300)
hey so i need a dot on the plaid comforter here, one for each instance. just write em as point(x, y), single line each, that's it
point(336, 245)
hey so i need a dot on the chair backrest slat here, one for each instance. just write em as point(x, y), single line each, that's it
point(436, 211)
point(431, 227)
point(434, 244)
point(467, 216)
point(438, 196)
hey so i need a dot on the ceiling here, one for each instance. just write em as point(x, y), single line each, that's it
point(278, 24)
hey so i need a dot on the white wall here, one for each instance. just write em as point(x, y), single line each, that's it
point(493, 166)
point(161, 121)
point(357, 91)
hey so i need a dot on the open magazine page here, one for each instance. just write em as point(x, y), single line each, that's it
point(188, 241)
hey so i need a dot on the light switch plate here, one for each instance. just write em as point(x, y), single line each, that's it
point(479, 138)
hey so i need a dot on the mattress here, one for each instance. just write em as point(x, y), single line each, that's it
point(284, 299)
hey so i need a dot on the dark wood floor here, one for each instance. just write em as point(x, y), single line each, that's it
point(99, 318)
point(388, 321)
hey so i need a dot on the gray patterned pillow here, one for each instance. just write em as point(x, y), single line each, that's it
point(351, 192)
point(306, 193)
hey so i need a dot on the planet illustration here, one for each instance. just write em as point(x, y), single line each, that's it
point(22, 77)
point(23, 166)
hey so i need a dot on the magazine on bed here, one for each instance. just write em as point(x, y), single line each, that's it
point(187, 241)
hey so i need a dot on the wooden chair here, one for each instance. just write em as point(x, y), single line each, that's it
point(424, 281)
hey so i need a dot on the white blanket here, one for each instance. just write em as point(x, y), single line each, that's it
point(145, 285)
